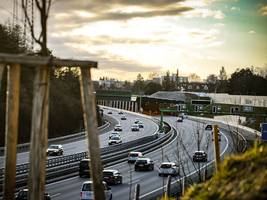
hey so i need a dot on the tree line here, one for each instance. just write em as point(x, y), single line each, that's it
point(65, 109)
point(245, 81)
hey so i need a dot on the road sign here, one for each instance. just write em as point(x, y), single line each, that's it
point(264, 131)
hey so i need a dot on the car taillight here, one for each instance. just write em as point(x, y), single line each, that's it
point(81, 194)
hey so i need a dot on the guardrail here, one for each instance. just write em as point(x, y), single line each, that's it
point(25, 146)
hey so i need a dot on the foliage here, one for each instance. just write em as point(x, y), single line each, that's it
point(222, 75)
point(11, 39)
point(151, 88)
point(193, 77)
point(139, 84)
point(247, 82)
point(241, 177)
point(167, 83)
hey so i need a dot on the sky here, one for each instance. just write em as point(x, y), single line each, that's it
point(127, 37)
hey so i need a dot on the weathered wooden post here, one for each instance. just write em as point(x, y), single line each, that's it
point(168, 187)
point(2, 67)
point(11, 129)
point(137, 192)
point(216, 147)
point(39, 131)
point(90, 124)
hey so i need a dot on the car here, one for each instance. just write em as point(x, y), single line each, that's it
point(120, 113)
point(123, 117)
point(135, 127)
point(219, 136)
point(112, 176)
point(114, 140)
point(118, 128)
point(109, 112)
point(54, 149)
point(208, 127)
point(200, 156)
point(136, 120)
point(168, 168)
point(113, 134)
point(87, 192)
point(23, 195)
point(179, 119)
point(140, 124)
point(133, 156)
point(84, 169)
point(144, 164)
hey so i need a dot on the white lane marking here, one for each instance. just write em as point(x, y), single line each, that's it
point(226, 147)
point(135, 181)
point(55, 195)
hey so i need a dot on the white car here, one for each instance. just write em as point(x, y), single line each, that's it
point(87, 192)
point(133, 156)
point(168, 168)
point(114, 140)
point(118, 127)
point(113, 134)
point(55, 149)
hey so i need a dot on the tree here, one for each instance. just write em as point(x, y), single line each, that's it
point(152, 87)
point(152, 75)
point(193, 77)
point(11, 39)
point(246, 82)
point(166, 82)
point(139, 84)
point(212, 79)
point(222, 75)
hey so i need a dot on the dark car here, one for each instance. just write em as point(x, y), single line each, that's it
point(123, 117)
point(208, 127)
point(179, 119)
point(135, 127)
point(55, 150)
point(23, 195)
point(110, 112)
point(140, 124)
point(111, 176)
point(84, 169)
point(143, 164)
point(200, 156)
point(120, 113)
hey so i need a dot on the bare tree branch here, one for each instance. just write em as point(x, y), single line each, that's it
point(38, 5)
point(48, 8)
point(29, 23)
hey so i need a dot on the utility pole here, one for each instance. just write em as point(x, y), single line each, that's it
point(216, 147)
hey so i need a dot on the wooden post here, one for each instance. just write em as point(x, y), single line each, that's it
point(11, 131)
point(183, 186)
point(216, 147)
point(168, 187)
point(137, 192)
point(2, 67)
point(39, 131)
point(90, 124)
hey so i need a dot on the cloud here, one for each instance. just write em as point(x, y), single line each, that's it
point(204, 13)
point(235, 8)
point(263, 10)
point(251, 32)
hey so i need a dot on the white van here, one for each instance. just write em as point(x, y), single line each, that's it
point(87, 192)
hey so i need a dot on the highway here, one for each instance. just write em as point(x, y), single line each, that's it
point(150, 182)
point(80, 145)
